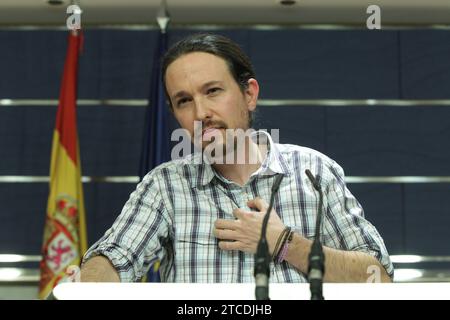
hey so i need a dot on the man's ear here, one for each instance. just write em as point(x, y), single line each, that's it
point(251, 94)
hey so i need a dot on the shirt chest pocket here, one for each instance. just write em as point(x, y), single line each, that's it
point(195, 228)
point(194, 221)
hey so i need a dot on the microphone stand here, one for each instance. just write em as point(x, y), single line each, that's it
point(262, 256)
point(316, 258)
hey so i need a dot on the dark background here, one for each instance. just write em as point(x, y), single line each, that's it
point(290, 64)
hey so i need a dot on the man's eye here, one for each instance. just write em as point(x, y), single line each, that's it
point(182, 101)
point(213, 90)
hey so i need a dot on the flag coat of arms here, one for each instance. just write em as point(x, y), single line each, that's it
point(65, 238)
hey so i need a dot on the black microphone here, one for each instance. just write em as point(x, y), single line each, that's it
point(316, 258)
point(262, 256)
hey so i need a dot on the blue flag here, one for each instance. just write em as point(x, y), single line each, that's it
point(155, 141)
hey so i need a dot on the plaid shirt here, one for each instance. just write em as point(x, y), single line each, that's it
point(171, 215)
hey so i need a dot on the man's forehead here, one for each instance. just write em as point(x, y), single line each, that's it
point(198, 62)
point(199, 67)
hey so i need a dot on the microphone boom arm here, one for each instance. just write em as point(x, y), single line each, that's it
point(262, 256)
point(316, 258)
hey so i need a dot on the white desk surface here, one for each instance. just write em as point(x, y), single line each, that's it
point(245, 291)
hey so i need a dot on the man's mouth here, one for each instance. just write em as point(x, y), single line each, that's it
point(209, 132)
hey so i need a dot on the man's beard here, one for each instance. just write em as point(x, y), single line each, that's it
point(232, 150)
point(223, 142)
point(230, 145)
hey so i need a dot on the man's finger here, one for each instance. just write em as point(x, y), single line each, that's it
point(230, 245)
point(240, 213)
point(258, 204)
point(225, 224)
point(225, 234)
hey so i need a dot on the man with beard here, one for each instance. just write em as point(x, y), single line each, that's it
point(202, 219)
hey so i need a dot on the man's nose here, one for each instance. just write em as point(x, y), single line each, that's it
point(202, 111)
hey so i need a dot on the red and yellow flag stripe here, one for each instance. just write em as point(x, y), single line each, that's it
point(65, 239)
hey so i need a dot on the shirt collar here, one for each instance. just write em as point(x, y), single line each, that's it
point(274, 163)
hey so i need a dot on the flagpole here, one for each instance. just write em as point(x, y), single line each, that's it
point(82, 229)
point(163, 17)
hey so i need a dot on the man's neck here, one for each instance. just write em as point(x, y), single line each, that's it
point(241, 171)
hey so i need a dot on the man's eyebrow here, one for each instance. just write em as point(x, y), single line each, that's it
point(179, 94)
point(182, 93)
point(210, 83)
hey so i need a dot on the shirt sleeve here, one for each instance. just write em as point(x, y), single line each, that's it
point(344, 224)
point(136, 238)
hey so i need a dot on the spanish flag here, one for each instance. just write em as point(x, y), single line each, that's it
point(65, 238)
